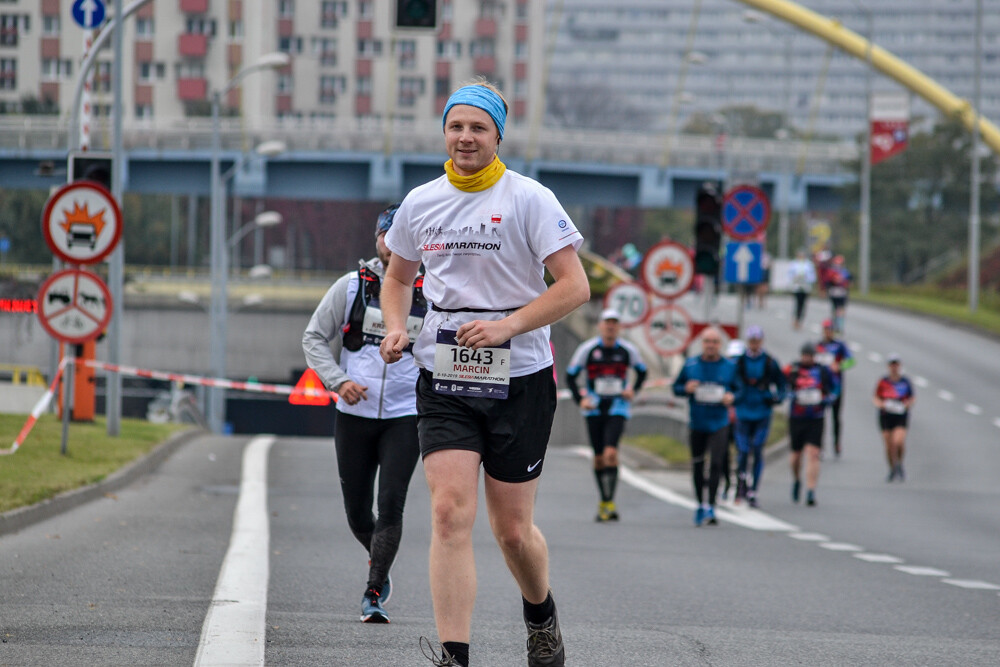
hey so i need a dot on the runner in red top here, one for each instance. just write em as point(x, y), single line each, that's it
point(893, 398)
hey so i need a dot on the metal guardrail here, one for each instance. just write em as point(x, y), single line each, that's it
point(27, 133)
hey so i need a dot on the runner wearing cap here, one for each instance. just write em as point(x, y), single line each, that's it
point(763, 388)
point(893, 397)
point(605, 399)
point(835, 355)
point(375, 433)
point(812, 388)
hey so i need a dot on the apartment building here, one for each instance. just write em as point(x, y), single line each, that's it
point(348, 59)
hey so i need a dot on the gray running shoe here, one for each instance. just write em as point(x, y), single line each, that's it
point(444, 659)
point(545, 643)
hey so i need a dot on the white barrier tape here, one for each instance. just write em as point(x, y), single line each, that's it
point(259, 387)
point(41, 406)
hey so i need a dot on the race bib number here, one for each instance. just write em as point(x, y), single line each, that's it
point(373, 327)
point(825, 358)
point(709, 392)
point(609, 385)
point(462, 371)
point(809, 396)
point(894, 407)
point(837, 292)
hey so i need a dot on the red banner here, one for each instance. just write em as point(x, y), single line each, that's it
point(888, 138)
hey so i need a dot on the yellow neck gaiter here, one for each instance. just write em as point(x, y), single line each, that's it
point(481, 180)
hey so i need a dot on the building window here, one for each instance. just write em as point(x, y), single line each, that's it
point(331, 87)
point(51, 26)
point(8, 74)
point(143, 111)
point(200, 26)
point(364, 84)
point(145, 28)
point(285, 83)
point(410, 88)
point(522, 11)
point(291, 45)
point(102, 77)
point(150, 71)
point(481, 47)
point(521, 50)
point(236, 30)
point(331, 13)
point(325, 50)
point(406, 49)
point(449, 49)
point(8, 29)
point(190, 70)
point(369, 48)
point(442, 87)
point(490, 9)
point(365, 10)
point(54, 69)
point(286, 9)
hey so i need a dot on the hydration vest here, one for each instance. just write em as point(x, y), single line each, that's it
point(369, 286)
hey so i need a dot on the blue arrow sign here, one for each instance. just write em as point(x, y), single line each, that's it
point(743, 263)
point(89, 13)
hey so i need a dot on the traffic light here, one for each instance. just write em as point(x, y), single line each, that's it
point(707, 230)
point(90, 166)
point(416, 13)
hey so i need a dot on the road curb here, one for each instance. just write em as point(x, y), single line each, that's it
point(22, 517)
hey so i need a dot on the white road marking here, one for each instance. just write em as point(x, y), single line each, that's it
point(972, 584)
point(921, 382)
point(878, 558)
point(946, 395)
point(996, 422)
point(973, 409)
point(840, 546)
point(856, 346)
point(810, 537)
point(923, 571)
point(235, 626)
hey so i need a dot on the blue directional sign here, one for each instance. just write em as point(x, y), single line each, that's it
point(745, 212)
point(743, 262)
point(89, 13)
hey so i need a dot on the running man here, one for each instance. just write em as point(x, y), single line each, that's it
point(710, 383)
point(894, 397)
point(486, 395)
point(802, 276)
point(605, 399)
point(763, 388)
point(835, 355)
point(812, 388)
point(836, 284)
point(376, 427)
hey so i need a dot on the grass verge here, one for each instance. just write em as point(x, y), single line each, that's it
point(675, 451)
point(38, 471)
point(950, 304)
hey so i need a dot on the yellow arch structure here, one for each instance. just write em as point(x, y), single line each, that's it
point(833, 32)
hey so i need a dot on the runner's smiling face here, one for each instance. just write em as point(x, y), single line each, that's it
point(471, 138)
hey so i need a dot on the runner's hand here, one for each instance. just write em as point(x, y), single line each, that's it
point(483, 333)
point(352, 392)
point(392, 346)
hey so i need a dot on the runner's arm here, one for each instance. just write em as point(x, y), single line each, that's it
point(396, 295)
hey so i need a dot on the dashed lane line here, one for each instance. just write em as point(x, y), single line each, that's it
point(878, 558)
point(945, 395)
point(921, 382)
point(972, 584)
point(840, 546)
point(922, 571)
point(973, 409)
point(234, 629)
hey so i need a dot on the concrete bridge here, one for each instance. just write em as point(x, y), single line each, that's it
point(355, 159)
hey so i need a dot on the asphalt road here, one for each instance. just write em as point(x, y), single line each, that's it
point(877, 573)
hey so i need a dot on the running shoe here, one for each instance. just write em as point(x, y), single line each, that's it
point(796, 488)
point(385, 592)
point(699, 515)
point(741, 489)
point(710, 516)
point(545, 643)
point(810, 498)
point(752, 498)
point(612, 510)
point(371, 608)
point(442, 659)
point(892, 474)
point(899, 472)
point(606, 511)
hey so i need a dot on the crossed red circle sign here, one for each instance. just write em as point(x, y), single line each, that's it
point(74, 306)
point(745, 212)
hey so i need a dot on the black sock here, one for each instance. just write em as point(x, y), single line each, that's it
point(384, 545)
point(459, 651)
point(539, 613)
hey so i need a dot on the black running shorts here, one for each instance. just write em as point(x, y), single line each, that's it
point(804, 431)
point(888, 421)
point(511, 435)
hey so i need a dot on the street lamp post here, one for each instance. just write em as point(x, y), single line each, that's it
point(217, 246)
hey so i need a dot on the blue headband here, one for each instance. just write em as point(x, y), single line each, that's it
point(480, 97)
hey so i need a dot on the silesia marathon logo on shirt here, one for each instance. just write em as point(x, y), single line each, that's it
point(488, 237)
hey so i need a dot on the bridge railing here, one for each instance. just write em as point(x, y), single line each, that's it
point(33, 133)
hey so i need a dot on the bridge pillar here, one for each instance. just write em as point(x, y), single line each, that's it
point(656, 188)
point(386, 178)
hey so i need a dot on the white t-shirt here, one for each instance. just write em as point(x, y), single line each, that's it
point(482, 250)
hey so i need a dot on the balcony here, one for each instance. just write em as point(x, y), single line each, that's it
point(486, 28)
point(192, 46)
point(194, 6)
point(192, 89)
point(486, 65)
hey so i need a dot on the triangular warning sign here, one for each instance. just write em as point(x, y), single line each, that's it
point(309, 390)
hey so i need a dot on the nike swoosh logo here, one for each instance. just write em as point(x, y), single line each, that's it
point(535, 465)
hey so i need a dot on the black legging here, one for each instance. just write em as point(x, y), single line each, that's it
point(800, 305)
point(365, 447)
point(716, 445)
point(835, 413)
